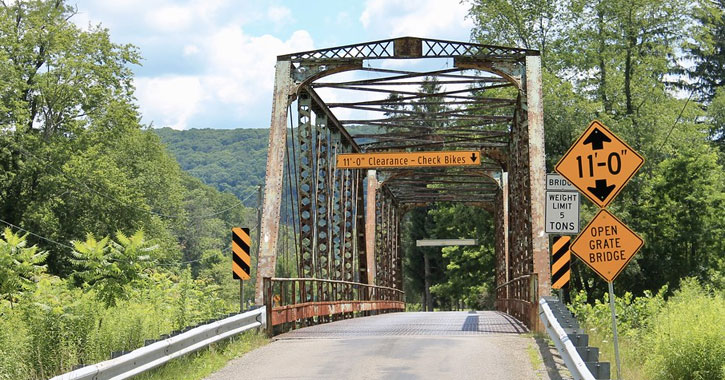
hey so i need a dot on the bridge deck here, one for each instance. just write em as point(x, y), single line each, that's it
point(451, 323)
point(441, 345)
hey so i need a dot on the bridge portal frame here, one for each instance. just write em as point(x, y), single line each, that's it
point(518, 205)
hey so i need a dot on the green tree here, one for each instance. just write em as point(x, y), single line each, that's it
point(57, 77)
point(716, 113)
point(707, 48)
point(529, 24)
point(617, 61)
point(112, 268)
point(469, 270)
point(20, 266)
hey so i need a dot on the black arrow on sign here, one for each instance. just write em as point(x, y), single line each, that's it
point(473, 157)
point(597, 139)
point(601, 190)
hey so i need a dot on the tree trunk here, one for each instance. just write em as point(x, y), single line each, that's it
point(602, 64)
point(427, 297)
point(631, 43)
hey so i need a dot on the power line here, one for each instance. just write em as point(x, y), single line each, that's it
point(36, 235)
point(73, 249)
point(677, 120)
point(47, 163)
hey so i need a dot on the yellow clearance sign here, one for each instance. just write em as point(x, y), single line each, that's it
point(408, 159)
point(606, 245)
point(599, 164)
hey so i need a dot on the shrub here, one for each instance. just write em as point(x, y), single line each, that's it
point(633, 313)
point(687, 339)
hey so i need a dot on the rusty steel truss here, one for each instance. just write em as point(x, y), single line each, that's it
point(347, 222)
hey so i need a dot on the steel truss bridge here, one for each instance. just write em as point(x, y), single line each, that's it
point(346, 222)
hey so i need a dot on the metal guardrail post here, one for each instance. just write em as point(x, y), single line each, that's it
point(569, 340)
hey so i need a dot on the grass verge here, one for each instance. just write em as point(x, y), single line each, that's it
point(206, 361)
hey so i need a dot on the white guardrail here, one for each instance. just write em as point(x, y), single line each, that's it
point(566, 348)
point(156, 354)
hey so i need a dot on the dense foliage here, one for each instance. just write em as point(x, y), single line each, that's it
point(108, 242)
point(622, 62)
point(680, 338)
point(231, 160)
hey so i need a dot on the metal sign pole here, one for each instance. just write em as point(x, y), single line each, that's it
point(614, 329)
point(241, 296)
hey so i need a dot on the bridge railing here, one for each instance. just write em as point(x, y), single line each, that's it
point(518, 297)
point(299, 302)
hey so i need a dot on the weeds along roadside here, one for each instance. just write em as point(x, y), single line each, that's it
point(680, 337)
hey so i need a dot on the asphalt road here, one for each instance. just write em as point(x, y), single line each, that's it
point(441, 345)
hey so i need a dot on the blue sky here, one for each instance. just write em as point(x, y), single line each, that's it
point(210, 63)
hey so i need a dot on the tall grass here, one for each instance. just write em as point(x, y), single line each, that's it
point(682, 337)
point(57, 326)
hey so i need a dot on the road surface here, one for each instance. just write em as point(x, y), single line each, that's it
point(440, 345)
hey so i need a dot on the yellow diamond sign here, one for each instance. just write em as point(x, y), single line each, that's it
point(606, 245)
point(599, 164)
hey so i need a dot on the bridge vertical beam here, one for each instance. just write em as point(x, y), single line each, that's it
point(379, 242)
point(537, 181)
point(307, 210)
point(370, 216)
point(520, 263)
point(269, 228)
point(349, 218)
point(322, 197)
point(359, 229)
point(501, 227)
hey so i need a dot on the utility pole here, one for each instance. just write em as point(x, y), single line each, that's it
point(428, 299)
point(259, 225)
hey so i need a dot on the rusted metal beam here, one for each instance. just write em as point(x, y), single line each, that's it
point(360, 229)
point(269, 229)
point(409, 47)
point(332, 119)
point(292, 313)
point(537, 178)
point(370, 226)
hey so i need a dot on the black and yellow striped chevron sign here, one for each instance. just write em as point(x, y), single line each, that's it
point(560, 267)
point(241, 260)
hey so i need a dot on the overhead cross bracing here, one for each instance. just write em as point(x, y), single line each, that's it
point(365, 98)
point(392, 114)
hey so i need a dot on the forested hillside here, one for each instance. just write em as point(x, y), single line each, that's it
point(105, 241)
point(231, 160)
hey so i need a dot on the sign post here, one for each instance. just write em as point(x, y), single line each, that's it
point(599, 164)
point(614, 330)
point(241, 259)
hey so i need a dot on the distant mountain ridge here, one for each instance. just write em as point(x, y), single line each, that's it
point(232, 160)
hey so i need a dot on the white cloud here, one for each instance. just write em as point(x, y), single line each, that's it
point(443, 19)
point(237, 79)
point(190, 50)
point(170, 18)
point(169, 101)
point(241, 67)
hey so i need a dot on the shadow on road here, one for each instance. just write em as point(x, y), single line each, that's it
point(551, 357)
